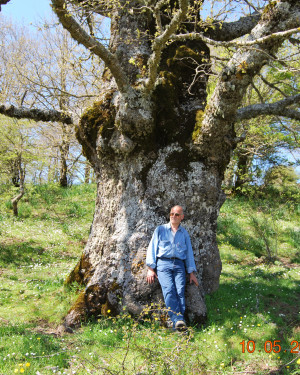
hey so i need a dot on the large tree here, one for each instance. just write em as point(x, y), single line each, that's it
point(153, 137)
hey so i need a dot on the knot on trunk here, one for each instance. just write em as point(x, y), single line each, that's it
point(135, 115)
point(120, 143)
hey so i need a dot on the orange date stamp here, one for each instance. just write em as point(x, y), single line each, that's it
point(270, 346)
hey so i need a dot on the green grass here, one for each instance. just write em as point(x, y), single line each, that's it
point(257, 301)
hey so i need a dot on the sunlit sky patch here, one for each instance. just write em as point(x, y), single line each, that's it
point(26, 11)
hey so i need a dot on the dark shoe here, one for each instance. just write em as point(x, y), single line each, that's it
point(180, 326)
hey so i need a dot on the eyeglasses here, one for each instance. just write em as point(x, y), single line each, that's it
point(174, 214)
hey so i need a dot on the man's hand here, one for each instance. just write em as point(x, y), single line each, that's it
point(193, 279)
point(151, 275)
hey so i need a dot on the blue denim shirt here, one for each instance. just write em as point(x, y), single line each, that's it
point(165, 244)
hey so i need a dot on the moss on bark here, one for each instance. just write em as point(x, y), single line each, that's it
point(198, 125)
point(81, 273)
point(95, 301)
point(96, 120)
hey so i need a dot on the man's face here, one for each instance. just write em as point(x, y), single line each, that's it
point(176, 215)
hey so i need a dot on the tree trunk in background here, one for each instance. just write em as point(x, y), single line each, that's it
point(87, 172)
point(64, 151)
point(15, 173)
point(242, 176)
point(64, 147)
point(17, 198)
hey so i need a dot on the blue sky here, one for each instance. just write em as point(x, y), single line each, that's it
point(26, 11)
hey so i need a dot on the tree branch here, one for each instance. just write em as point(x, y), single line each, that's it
point(159, 43)
point(217, 125)
point(227, 31)
point(273, 86)
point(3, 2)
point(294, 41)
point(247, 43)
point(82, 37)
point(35, 114)
point(279, 109)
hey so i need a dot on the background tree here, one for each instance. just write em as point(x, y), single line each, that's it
point(18, 152)
point(61, 75)
point(46, 70)
point(269, 140)
point(154, 140)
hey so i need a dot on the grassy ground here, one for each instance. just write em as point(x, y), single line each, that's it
point(253, 319)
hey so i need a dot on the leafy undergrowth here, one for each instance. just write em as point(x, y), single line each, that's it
point(253, 318)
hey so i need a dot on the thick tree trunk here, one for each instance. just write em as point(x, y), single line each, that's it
point(134, 196)
point(139, 142)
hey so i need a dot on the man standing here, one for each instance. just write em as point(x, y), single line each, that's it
point(169, 255)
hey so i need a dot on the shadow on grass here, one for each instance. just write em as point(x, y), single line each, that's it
point(10, 330)
point(238, 236)
point(24, 254)
point(296, 258)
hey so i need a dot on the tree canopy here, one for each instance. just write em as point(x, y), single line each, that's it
point(261, 40)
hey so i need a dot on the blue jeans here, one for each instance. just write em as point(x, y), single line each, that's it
point(171, 276)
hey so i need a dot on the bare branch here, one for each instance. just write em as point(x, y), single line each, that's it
point(290, 129)
point(35, 114)
point(82, 37)
point(262, 100)
point(271, 84)
point(279, 108)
